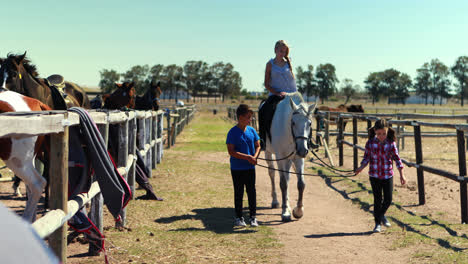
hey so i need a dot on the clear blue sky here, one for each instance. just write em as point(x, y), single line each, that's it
point(358, 37)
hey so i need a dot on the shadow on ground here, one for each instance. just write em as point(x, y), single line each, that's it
point(218, 220)
point(408, 227)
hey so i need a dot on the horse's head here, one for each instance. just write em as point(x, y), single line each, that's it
point(12, 71)
point(356, 108)
point(301, 126)
point(123, 96)
point(155, 90)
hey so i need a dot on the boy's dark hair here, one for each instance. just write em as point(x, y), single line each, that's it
point(243, 109)
point(381, 124)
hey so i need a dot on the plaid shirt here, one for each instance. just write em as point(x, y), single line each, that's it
point(381, 156)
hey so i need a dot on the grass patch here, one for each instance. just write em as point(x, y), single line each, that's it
point(194, 222)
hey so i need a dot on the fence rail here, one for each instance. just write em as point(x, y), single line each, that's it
point(420, 166)
point(146, 125)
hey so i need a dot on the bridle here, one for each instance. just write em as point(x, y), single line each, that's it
point(310, 144)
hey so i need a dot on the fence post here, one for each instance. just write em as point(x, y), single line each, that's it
point(319, 118)
point(148, 132)
point(462, 171)
point(398, 133)
point(419, 160)
point(122, 162)
point(59, 188)
point(340, 139)
point(153, 139)
point(160, 136)
point(355, 142)
point(169, 129)
point(97, 203)
point(132, 133)
point(327, 129)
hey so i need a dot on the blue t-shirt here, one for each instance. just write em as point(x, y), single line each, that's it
point(244, 142)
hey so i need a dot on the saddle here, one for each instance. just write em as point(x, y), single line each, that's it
point(57, 85)
point(265, 116)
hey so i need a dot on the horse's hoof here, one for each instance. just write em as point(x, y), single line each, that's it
point(298, 212)
point(274, 205)
point(286, 218)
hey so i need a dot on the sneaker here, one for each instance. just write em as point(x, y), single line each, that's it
point(377, 228)
point(239, 222)
point(253, 222)
point(385, 221)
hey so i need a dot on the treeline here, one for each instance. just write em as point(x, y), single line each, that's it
point(433, 80)
point(195, 78)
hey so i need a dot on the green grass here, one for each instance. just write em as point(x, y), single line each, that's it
point(194, 223)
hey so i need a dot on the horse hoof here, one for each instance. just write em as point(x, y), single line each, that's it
point(274, 205)
point(286, 218)
point(298, 212)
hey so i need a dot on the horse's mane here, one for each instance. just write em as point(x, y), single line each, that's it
point(28, 66)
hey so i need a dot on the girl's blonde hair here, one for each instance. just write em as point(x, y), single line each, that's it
point(282, 43)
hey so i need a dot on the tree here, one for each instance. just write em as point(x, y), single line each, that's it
point(306, 83)
point(172, 80)
point(108, 80)
point(423, 81)
point(460, 71)
point(326, 80)
point(403, 84)
point(139, 75)
point(194, 71)
point(440, 84)
point(348, 89)
point(373, 85)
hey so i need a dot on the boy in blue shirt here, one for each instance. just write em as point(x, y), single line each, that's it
point(243, 144)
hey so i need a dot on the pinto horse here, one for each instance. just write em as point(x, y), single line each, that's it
point(19, 75)
point(19, 153)
point(290, 131)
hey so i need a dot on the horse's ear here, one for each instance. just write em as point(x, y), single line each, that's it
point(293, 105)
point(311, 109)
point(21, 58)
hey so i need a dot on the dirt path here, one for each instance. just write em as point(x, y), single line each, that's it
point(333, 230)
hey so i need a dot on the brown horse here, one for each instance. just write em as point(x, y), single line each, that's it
point(123, 96)
point(19, 75)
point(150, 100)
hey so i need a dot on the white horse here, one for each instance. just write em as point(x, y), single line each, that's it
point(290, 130)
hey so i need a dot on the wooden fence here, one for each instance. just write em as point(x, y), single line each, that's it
point(146, 125)
point(419, 164)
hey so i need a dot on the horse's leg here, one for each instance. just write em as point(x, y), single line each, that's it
point(284, 166)
point(34, 183)
point(15, 186)
point(298, 211)
point(271, 172)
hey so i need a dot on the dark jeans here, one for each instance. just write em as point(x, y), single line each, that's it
point(265, 116)
point(246, 178)
point(379, 186)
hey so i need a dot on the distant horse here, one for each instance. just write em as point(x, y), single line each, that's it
point(290, 132)
point(123, 96)
point(19, 153)
point(150, 100)
point(19, 75)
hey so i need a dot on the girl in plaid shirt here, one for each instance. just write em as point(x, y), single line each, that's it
point(380, 153)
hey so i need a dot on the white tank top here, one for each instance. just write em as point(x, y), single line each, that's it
point(281, 78)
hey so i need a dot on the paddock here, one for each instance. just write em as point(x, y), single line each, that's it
point(148, 126)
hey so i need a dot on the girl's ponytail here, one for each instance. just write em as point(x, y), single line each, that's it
point(382, 124)
point(290, 67)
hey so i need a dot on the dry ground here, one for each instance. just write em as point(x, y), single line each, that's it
point(337, 222)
